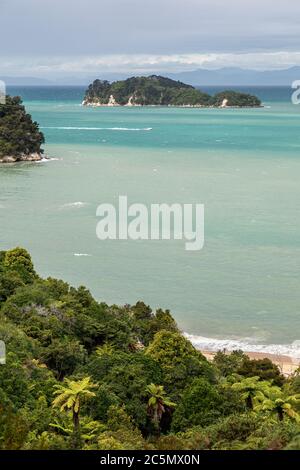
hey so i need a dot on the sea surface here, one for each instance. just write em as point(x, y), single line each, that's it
point(242, 289)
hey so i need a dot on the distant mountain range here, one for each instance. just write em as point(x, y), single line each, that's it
point(227, 76)
point(25, 81)
point(230, 76)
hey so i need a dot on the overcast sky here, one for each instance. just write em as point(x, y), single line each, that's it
point(56, 37)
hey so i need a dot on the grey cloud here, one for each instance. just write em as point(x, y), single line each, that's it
point(68, 27)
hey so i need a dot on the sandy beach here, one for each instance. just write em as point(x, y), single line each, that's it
point(287, 365)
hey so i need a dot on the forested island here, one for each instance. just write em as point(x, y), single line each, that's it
point(20, 138)
point(81, 374)
point(160, 91)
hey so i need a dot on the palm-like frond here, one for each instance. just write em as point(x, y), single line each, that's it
point(278, 402)
point(70, 394)
point(158, 399)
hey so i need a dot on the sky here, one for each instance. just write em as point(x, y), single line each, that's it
point(51, 38)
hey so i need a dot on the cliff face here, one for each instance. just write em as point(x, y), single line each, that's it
point(160, 91)
point(20, 138)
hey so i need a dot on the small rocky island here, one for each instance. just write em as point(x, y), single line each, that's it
point(20, 138)
point(160, 91)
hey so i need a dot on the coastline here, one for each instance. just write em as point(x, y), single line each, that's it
point(286, 357)
point(32, 157)
point(197, 106)
point(287, 365)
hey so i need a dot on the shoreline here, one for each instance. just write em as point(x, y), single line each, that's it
point(106, 105)
point(33, 157)
point(285, 356)
point(287, 365)
point(248, 345)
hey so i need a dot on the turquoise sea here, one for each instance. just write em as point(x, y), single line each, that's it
point(242, 289)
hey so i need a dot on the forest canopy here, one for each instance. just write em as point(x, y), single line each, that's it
point(19, 134)
point(81, 374)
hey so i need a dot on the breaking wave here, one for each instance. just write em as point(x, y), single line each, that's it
point(81, 254)
point(245, 344)
point(130, 129)
point(76, 204)
point(48, 159)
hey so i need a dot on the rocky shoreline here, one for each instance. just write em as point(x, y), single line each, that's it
point(32, 157)
point(130, 104)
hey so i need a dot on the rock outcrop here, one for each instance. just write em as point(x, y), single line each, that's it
point(20, 137)
point(32, 157)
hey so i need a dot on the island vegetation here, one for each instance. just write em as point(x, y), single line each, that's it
point(20, 137)
point(81, 374)
point(161, 91)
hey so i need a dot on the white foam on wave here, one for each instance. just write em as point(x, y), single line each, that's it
point(244, 344)
point(76, 204)
point(130, 129)
point(81, 254)
point(46, 160)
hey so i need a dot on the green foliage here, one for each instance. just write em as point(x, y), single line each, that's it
point(252, 390)
point(46, 440)
point(9, 283)
point(236, 99)
point(228, 364)
point(278, 402)
point(13, 430)
point(225, 432)
point(262, 368)
point(125, 377)
point(103, 400)
point(241, 432)
point(179, 360)
point(19, 260)
point(18, 133)
point(161, 91)
point(121, 433)
point(69, 396)
point(273, 435)
point(63, 356)
point(17, 342)
point(146, 324)
point(158, 404)
point(201, 404)
point(294, 444)
point(294, 383)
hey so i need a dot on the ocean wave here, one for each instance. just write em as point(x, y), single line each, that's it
point(76, 204)
point(244, 344)
point(81, 254)
point(46, 160)
point(130, 129)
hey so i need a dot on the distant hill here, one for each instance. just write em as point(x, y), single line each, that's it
point(233, 76)
point(225, 77)
point(25, 81)
point(160, 91)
